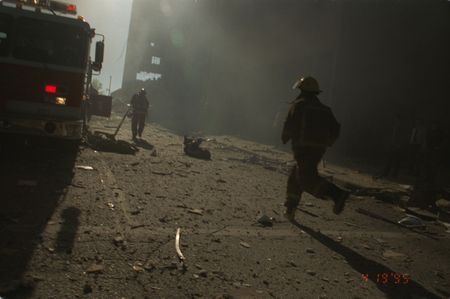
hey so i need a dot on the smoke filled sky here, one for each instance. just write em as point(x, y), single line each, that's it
point(111, 18)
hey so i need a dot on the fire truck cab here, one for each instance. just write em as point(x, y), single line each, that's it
point(45, 68)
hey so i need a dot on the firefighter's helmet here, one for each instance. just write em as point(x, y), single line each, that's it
point(308, 84)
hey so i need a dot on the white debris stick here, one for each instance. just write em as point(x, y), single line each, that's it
point(84, 167)
point(177, 246)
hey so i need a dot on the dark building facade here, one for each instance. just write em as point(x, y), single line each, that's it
point(226, 66)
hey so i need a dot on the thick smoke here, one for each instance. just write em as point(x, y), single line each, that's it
point(228, 66)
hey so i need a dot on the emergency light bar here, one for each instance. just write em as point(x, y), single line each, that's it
point(61, 7)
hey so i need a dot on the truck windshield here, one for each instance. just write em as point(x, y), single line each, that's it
point(5, 33)
point(50, 42)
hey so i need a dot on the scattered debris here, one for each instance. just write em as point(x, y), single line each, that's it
point(244, 244)
point(267, 163)
point(381, 241)
point(308, 212)
point(111, 205)
point(77, 185)
point(265, 220)
point(119, 240)
point(177, 246)
point(218, 230)
point(137, 226)
point(375, 216)
point(366, 246)
point(135, 212)
point(162, 173)
point(196, 211)
point(95, 269)
point(202, 273)
point(310, 250)
point(138, 267)
point(163, 219)
point(350, 224)
point(406, 187)
point(27, 183)
point(421, 213)
point(149, 266)
point(310, 272)
point(411, 222)
point(84, 167)
point(192, 148)
point(392, 254)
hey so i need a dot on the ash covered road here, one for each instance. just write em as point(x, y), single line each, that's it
point(69, 231)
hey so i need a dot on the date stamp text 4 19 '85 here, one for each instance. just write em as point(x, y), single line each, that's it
point(387, 278)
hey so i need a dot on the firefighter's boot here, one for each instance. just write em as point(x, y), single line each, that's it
point(289, 214)
point(339, 202)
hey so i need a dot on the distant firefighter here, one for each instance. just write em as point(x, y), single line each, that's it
point(417, 146)
point(397, 148)
point(139, 106)
point(311, 127)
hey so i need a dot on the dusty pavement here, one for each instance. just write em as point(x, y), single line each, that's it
point(109, 232)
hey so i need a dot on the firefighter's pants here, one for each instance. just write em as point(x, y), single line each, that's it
point(304, 176)
point(137, 124)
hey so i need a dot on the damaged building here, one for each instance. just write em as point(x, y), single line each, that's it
point(228, 66)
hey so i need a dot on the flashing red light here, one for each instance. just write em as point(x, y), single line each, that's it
point(71, 8)
point(50, 88)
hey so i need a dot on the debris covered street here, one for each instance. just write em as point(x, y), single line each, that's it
point(97, 224)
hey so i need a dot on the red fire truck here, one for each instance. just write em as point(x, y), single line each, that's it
point(46, 69)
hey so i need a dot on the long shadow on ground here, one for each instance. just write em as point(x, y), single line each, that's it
point(363, 265)
point(66, 236)
point(33, 178)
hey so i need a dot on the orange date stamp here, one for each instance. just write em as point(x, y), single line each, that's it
point(394, 278)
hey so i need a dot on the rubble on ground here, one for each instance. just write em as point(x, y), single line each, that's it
point(192, 148)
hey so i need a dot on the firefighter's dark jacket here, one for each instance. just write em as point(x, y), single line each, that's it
point(139, 103)
point(310, 124)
